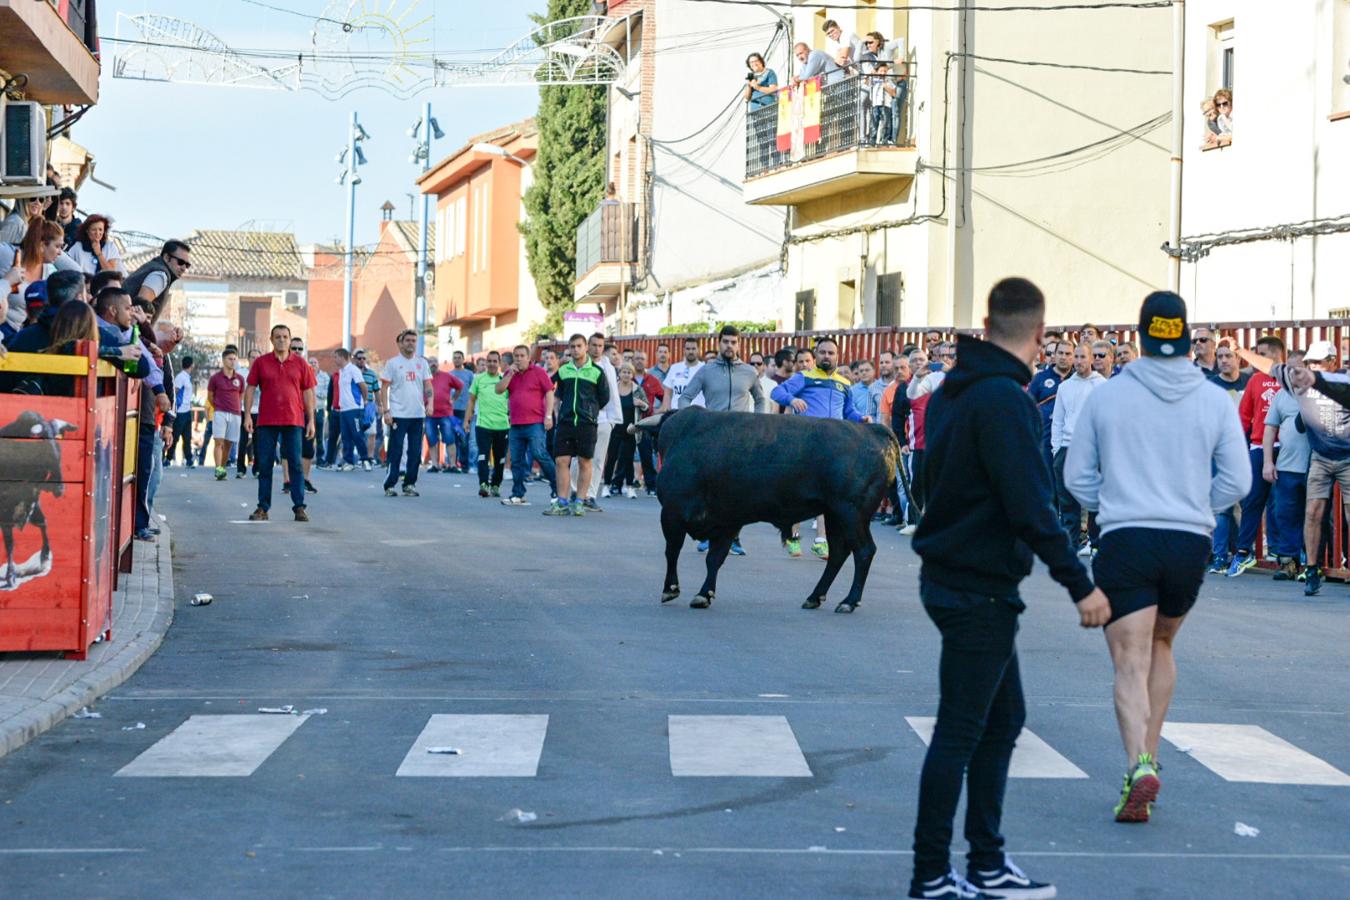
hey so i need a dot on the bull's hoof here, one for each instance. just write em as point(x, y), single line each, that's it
point(667, 596)
point(813, 603)
point(845, 607)
point(701, 601)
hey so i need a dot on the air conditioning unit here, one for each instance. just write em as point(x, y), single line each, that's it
point(293, 299)
point(23, 143)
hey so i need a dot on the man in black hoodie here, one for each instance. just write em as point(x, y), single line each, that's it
point(989, 508)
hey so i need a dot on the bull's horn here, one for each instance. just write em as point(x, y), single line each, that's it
point(59, 425)
point(649, 421)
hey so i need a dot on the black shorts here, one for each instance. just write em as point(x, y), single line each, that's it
point(1141, 567)
point(574, 440)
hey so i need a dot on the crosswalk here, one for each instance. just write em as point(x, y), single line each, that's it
point(721, 746)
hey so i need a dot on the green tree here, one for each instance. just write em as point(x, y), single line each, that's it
point(569, 176)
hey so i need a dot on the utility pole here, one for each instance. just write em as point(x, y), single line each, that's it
point(351, 156)
point(423, 131)
point(1178, 131)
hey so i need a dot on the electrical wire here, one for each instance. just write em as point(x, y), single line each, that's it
point(346, 26)
point(1128, 135)
point(909, 7)
point(1193, 248)
point(1056, 65)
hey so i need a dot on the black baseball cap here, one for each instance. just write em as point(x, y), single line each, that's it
point(1163, 330)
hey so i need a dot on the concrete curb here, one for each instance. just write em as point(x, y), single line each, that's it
point(116, 660)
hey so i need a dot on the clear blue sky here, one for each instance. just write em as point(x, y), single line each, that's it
point(188, 156)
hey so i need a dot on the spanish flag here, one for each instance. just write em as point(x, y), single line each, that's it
point(811, 111)
point(784, 142)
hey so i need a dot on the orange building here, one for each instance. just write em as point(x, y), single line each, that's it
point(484, 296)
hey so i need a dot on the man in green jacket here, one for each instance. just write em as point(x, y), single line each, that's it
point(582, 392)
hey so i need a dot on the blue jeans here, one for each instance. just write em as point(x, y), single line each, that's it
point(1290, 492)
point(1254, 504)
point(1225, 535)
point(897, 110)
point(156, 474)
point(267, 438)
point(531, 438)
point(353, 441)
point(319, 420)
point(879, 129)
point(409, 430)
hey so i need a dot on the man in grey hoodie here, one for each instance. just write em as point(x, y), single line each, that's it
point(1155, 451)
point(726, 383)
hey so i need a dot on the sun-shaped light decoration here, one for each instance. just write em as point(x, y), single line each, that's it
point(371, 43)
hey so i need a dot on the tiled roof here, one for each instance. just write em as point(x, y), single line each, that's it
point(264, 255)
point(409, 233)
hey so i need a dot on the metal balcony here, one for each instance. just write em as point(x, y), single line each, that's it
point(606, 250)
point(55, 52)
point(860, 143)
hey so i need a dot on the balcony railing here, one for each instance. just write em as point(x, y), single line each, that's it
point(850, 119)
point(608, 235)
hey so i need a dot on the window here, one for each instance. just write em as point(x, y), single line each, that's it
point(461, 226)
point(806, 311)
point(1222, 57)
point(890, 291)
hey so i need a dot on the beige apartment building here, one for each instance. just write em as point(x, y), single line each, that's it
point(1005, 162)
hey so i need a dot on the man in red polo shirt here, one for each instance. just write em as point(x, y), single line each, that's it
point(530, 407)
point(285, 417)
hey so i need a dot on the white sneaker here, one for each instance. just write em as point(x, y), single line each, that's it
point(909, 530)
point(1085, 550)
point(346, 467)
point(630, 493)
point(365, 465)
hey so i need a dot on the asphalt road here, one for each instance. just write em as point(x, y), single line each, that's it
point(389, 612)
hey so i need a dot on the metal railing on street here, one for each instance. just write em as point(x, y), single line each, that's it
point(855, 112)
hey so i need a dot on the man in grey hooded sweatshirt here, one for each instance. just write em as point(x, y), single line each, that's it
point(726, 383)
point(1155, 451)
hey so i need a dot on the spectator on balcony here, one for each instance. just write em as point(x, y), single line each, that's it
point(1223, 103)
point(93, 250)
point(65, 215)
point(892, 53)
point(1212, 130)
point(882, 92)
point(761, 84)
point(815, 64)
point(845, 50)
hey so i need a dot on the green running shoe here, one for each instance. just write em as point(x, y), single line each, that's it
point(1140, 790)
point(794, 547)
point(558, 508)
point(821, 549)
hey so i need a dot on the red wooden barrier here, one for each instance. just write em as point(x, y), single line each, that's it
point(65, 507)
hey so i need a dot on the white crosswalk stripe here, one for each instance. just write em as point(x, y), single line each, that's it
point(735, 746)
point(1032, 757)
point(1250, 753)
point(214, 746)
point(489, 746)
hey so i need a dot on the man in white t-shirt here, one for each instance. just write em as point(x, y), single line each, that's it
point(680, 374)
point(352, 396)
point(182, 413)
point(405, 394)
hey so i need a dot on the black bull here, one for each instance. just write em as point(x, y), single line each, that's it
point(722, 471)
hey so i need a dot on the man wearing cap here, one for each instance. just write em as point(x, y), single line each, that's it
point(1155, 487)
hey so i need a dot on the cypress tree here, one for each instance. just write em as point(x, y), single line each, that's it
point(569, 175)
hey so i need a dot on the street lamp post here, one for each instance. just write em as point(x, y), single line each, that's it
point(423, 131)
point(352, 157)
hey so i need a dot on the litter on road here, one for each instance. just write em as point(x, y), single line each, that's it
point(139, 726)
point(1242, 829)
point(446, 751)
point(87, 713)
point(287, 710)
point(518, 815)
point(201, 600)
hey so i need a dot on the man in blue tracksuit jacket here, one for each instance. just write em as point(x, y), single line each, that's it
point(823, 393)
